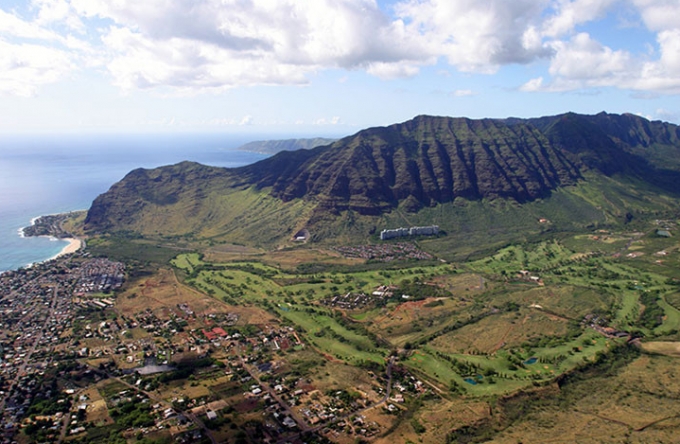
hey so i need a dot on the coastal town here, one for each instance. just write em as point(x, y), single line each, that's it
point(77, 362)
point(73, 364)
point(38, 311)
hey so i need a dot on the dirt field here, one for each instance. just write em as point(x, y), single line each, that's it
point(636, 405)
point(461, 284)
point(403, 315)
point(290, 259)
point(499, 331)
point(663, 348)
point(97, 413)
point(438, 418)
point(231, 252)
point(162, 293)
point(285, 259)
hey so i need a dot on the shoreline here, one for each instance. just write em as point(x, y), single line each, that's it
point(74, 244)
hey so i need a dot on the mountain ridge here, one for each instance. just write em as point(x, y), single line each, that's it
point(421, 163)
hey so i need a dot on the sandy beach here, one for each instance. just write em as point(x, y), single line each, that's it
point(73, 246)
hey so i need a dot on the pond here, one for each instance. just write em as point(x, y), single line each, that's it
point(531, 360)
point(473, 380)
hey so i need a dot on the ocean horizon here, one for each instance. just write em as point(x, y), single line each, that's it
point(51, 174)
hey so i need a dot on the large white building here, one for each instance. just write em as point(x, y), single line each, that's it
point(431, 230)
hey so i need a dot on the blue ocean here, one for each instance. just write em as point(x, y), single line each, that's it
point(54, 174)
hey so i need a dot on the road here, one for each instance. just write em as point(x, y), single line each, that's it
point(193, 418)
point(388, 391)
point(156, 398)
point(284, 405)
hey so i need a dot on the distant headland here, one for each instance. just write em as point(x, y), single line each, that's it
point(275, 146)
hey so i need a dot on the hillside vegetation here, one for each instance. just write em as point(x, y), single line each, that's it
point(509, 178)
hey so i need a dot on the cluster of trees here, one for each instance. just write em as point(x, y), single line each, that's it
point(132, 414)
point(652, 315)
point(420, 290)
point(186, 369)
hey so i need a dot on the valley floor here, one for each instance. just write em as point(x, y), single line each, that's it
point(566, 340)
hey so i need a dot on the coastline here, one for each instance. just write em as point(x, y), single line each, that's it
point(74, 244)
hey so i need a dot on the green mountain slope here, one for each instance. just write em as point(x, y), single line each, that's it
point(468, 176)
point(427, 160)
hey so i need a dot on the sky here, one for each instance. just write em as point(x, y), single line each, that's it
point(328, 67)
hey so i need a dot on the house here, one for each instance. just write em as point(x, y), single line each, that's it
point(220, 332)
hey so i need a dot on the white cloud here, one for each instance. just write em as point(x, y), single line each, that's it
point(669, 43)
point(24, 68)
point(335, 120)
point(668, 115)
point(33, 55)
point(476, 36)
point(184, 48)
point(582, 62)
point(214, 45)
point(187, 65)
point(464, 93)
point(583, 58)
point(533, 85)
point(388, 71)
point(659, 15)
point(571, 13)
point(13, 26)
point(57, 11)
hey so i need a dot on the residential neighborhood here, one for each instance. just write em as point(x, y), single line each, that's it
point(71, 361)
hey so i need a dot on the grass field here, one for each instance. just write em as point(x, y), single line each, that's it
point(578, 282)
point(333, 339)
point(671, 320)
point(506, 356)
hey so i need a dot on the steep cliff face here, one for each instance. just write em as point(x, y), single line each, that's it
point(426, 160)
point(412, 165)
point(618, 144)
